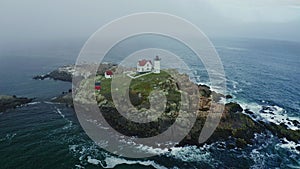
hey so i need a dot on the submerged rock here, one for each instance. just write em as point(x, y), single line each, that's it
point(241, 143)
point(229, 96)
point(41, 77)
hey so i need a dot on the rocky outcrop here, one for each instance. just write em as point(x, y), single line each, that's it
point(282, 131)
point(65, 73)
point(11, 102)
point(233, 124)
point(236, 126)
point(65, 98)
point(104, 67)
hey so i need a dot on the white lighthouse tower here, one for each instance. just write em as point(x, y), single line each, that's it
point(156, 67)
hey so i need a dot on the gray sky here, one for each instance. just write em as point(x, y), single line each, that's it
point(35, 20)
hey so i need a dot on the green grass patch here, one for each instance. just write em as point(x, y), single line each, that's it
point(144, 86)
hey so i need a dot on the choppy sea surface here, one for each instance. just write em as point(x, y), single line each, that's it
point(259, 73)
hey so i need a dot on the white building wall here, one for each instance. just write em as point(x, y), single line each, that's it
point(107, 76)
point(146, 68)
point(156, 68)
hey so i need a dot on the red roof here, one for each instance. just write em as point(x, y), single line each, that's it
point(98, 87)
point(109, 72)
point(143, 62)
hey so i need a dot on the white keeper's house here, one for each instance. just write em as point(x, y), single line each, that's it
point(145, 66)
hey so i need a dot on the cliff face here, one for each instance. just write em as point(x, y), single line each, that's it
point(10, 102)
point(233, 124)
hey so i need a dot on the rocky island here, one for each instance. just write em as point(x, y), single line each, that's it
point(237, 127)
point(11, 102)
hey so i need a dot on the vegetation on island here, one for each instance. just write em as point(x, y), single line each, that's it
point(140, 89)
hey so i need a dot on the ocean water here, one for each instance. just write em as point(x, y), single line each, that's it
point(260, 73)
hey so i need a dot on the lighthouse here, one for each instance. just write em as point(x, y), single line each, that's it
point(156, 67)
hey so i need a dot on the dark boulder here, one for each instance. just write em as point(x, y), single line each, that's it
point(233, 107)
point(229, 96)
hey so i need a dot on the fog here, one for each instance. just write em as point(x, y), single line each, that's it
point(35, 21)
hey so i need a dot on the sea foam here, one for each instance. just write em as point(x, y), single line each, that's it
point(274, 114)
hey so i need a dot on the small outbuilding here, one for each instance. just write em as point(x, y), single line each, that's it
point(98, 86)
point(108, 74)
